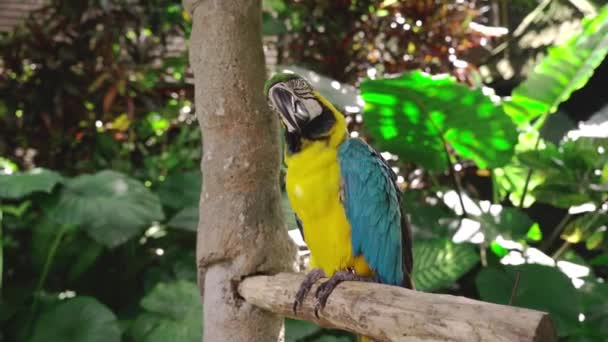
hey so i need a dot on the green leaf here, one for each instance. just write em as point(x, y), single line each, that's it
point(16, 210)
point(186, 219)
point(82, 319)
point(511, 180)
point(600, 260)
point(439, 263)
point(566, 69)
point(569, 174)
point(429, 222)
point(595, 239)
point(512, 223)
point(110, 206)
point(534, 234)
point(85, 260)
point(274, 5)
point(496, 285)
point(498, 250)
point(583, 227)
point(6, 166)
point(22, 184)
point(180, 190)
point(414, 114)
point(272, 26)
point(297, 330)
point(561, 195)
point(595, 308)
point(288, 215)
point(173, 312)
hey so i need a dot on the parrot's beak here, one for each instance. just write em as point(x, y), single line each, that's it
point(285, 103)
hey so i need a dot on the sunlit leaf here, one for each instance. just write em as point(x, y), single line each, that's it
point(414, 114)
point(22, 184)
point(497, 249)
point(566, 69)
point(534, 234)
point(438, 263)
point(511, 179)
point(274, 5)
point(82, 319)
point(595, 240)
point(172, 312)
point(110, 206)
point(589, 228)
point(539, 287)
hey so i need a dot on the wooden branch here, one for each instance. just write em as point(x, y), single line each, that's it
point(389, 313)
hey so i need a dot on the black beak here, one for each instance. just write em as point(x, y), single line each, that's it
point(284, 102)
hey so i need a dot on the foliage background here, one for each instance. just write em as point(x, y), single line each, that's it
point(99, 179)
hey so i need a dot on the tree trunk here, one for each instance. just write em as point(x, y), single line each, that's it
point(241, 230)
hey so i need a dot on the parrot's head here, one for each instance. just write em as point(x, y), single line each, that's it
point(305, 114)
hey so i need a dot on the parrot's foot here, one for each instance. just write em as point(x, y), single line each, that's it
point(311, 278)
point(325, 289)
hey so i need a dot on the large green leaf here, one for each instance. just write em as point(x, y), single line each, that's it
point(541, 287)
point(181, 190)
point(439, 263)
point(566, 69)
point(111, 206)
point(186, 219)
point(414, 114)
point(21, 184)
point(82, 319)
point(173, 312)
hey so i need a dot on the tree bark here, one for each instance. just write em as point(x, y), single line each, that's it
point(389, 313)
point(241, 231)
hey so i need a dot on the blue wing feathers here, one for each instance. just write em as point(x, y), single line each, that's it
point(372, 205)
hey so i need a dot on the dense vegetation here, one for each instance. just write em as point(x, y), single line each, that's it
point(99, 179)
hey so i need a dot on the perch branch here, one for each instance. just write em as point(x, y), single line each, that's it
point(389, 313)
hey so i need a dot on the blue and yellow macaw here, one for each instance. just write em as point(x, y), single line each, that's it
point(343, 192)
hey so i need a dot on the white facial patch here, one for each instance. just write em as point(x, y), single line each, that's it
point(295, 103)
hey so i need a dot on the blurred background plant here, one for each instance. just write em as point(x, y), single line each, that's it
point(99, 179)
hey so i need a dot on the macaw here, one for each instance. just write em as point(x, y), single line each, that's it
point(344, 195)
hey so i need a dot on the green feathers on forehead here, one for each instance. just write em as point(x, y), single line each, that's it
point(280, 78)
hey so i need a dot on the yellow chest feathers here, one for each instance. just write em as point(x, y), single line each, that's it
point(313, 188)
point(313, 180)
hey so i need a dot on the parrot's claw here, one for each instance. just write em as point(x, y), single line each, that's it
point(324, 290)
point(311, 278)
